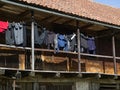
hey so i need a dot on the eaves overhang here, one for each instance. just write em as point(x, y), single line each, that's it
point(50, 11)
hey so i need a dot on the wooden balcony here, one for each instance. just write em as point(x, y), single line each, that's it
point(29, 58)
point(19, 58)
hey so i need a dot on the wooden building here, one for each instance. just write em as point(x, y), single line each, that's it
point(36, 67)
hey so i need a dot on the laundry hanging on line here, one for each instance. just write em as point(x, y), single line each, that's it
point(3, 26)
point(87, 44)
point(39, 36)
point(16, 34)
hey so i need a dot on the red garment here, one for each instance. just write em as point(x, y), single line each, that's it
point(3, 26)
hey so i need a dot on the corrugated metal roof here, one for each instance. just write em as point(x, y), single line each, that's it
point(84, 8)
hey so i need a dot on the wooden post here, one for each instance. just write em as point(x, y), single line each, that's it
point(32, 40)
point(68, 64)
point(21, 61)
point(82, 85)
point(14, 83)
point(114, 54)
point(43, 60)
point(117, 86)
point(35, 86)
point(78, 45)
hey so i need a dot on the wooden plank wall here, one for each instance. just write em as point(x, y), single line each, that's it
point(118, 68)
point(94, 66)
point(88, 64)
point(22, 61)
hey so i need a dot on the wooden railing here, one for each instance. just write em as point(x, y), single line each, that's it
point(47, 60)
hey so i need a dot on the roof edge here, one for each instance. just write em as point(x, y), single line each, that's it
point(61, 14)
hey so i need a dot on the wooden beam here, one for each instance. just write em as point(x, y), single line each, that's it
point(108, 76)
point(55, 20)
point(91, 75)
point(7, 15)
point(105, 32)
point(1, 5)
point(67, 22)
point(46, 18)
point(86, 26)
point(46, 50)
point(23, 14)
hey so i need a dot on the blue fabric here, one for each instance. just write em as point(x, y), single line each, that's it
point(91, 44)
point(60, 43)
